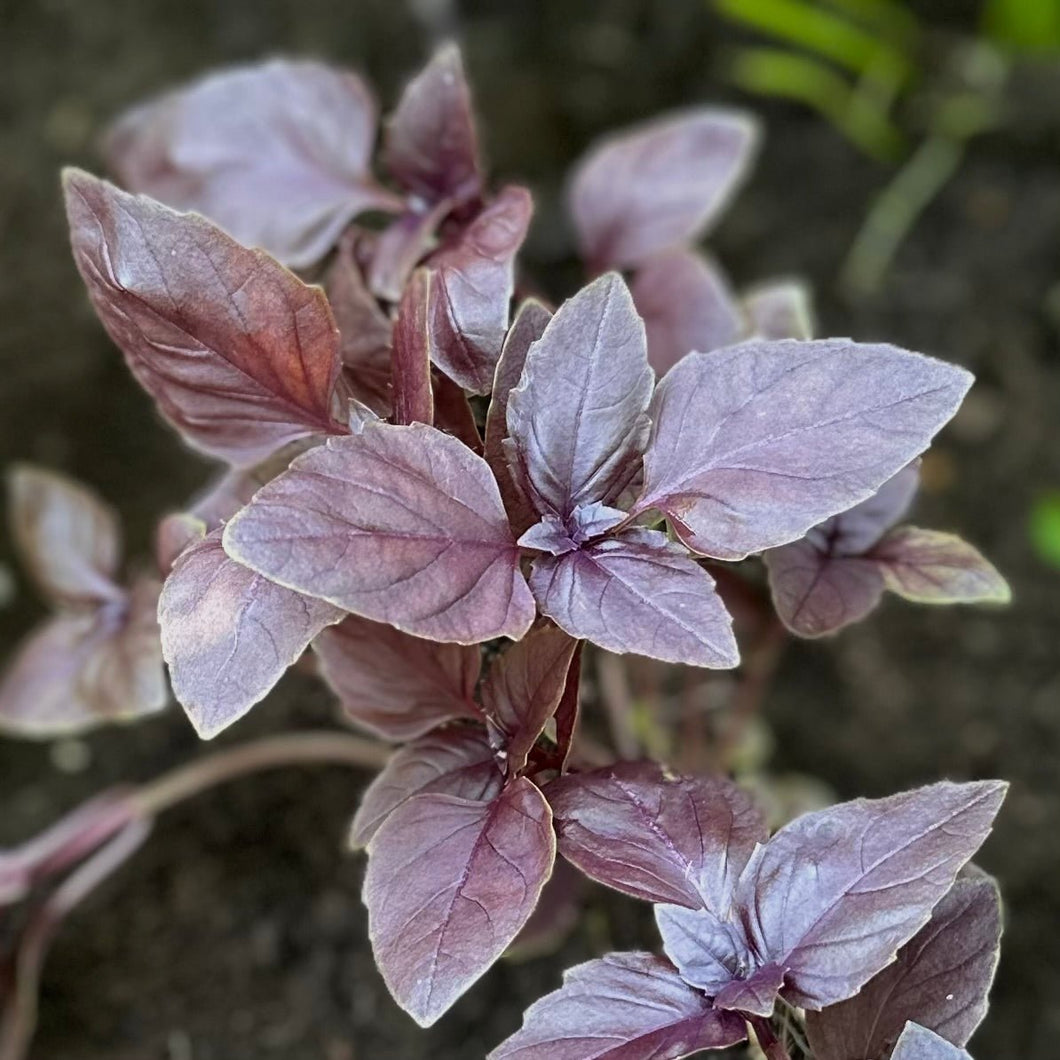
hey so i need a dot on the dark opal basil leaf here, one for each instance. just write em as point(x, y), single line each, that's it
point(240, 355)
point(394, 684)
point(918, 1043)
point(782, 309)
point(528, 326)
point(687, 305)
point(523, 688)
point(625, 1006)
point(754, 444)
point(450, 883)
point(756, 995)
point(455, 761)
point(577, 420)
point(834, 894)
point(638, 593)
point(68, 538)
point(931, 567)
point(708, 950)
point(364, 332)
point(402, 525)
point(401, 246)
point(413, 399)
point(940, 979)
point(636, 828)
point(276, 154)
point(431, 145)
point(84, 668)
point(474, 277)
point(815, 594)
point(228, 634)
point(658, 185)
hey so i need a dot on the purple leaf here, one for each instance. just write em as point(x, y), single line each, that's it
point(176, 532)
point(474, 277)
point(756, 995)
point(402, 525)
point(753, 445)
point(941, 979)
point(450, 883)
point(930, 567)
point(711, 953)
point(833, 895)
point(277, 154)
point(453, 412)
point(528, 326)
point(577, 421)
point(686, 305)
point(780, 310)
point(431, 145)
point(396, 685)
point(815, 594)
point(413, 398)
point(568, 711)
point(241, 356)
point(81, 669)
point(560, 536)
point(635, 828)
point(625, 1006)
point(68, 538)
point(454, 761)
point(822, 582)
point(523, 689)
point(364, 332)
point(637, 593)
point(401, 246)
point(228, 634)
point(557, 914)
point(918, 1043)
point(658, 185)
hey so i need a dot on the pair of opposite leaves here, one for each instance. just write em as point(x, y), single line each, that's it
point(813, 916)
point(749, 447)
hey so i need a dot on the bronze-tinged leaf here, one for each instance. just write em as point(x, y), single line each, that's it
point(240, 355)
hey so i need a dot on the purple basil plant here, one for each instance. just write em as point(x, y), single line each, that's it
point(456, 496)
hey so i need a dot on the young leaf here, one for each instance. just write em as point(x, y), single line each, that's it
point(658, 185)
point(413, 399)
point(228, 634)
point(941, 979)
point(276, 154)
point(712, 954)
point(68, 538)
point(364, 332)
point(454, 761)
point(832, 895)
point(431, 145)
point(523, 688)
point(241, 356)
point(450, 883)
point(756, 995)
point(633, 827)
point(473, 279)
point(82, 669)
point(815, 594)
point(782, 309)
point(918, 1043)
point(577, 420)
point(686, 305)
point(402, 525)
point(930, 567)
point(625, 1006)
point(753, 445)
point(401, 246)
point(528, 326)
point(396, 685)
point(637, 593)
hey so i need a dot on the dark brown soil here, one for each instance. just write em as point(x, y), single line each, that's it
point(238, 933)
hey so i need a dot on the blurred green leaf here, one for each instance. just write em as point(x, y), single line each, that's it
point(1023, 25)
point(774, 72)
point(893, 18)
point(1045, 527)
point(829, 35)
